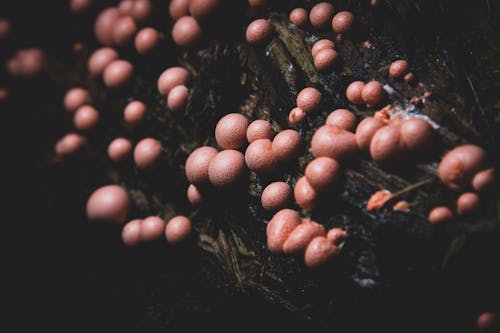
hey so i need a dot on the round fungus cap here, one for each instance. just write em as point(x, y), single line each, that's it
point(343, 22)
point(104, 24)
point(5, 28)
point(276, 196)
point(202, 10)
point(280, 227)
point(373, 93)
point(231, 131)
point(320, 45)
point(78, 7)
point(305, 195)
point(260, 158)
point(326, 59)
point(131, 233)
point(70, 144)
point(124, 30)
point(195, 196)
point(75, 97)
point(484, 180)
point(386, 147)
point(134, 113)
point(309, 99)
point(354, 92)
point(296, 116)
point(259, 31)
point(334, 142)
point(152, 229)
point(187, 32)
point(487, 322)
point(468, 203)
point(319, 251)
point(287, 145)
point(227, 169)
point(323, 173)
point(147, 154)
point(86, 118)
point(440, 214)
point(108, 203)
point(100, 59)
point(259, 129)
point(172, 77)
point(398, 68)
point(342, 118)
point(366, 130)
point(417, 135)
point(460, 164)
point(337, 236)
point(178, 8)
point(146, 40)
point(299, 17)
point(117, 74)
point(177, 98)
point(321, 15)
point(302, 235)
point(197, 164)
point(119, 149)
point(178, 229)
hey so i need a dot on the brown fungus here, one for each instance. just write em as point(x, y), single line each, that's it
point(334, 142)
point(280, 227)
point(258, 32)
point(302, 235)
point(276, 196)
point(108, 203)
point(227, 169)
point(342, 118)
point(323, 173)
point(260, 158)
point(309, 100)
point(460, 164)
point(299, 17)
point(187, 32)
point(321, 15)
point(343, 22)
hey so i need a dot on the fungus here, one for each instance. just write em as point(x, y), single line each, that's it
point(108, 203)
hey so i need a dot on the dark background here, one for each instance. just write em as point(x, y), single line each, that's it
point(65, 274)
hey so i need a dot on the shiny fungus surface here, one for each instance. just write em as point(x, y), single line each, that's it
point(287, 145)
point(460, 164)
point(227, 169)
point(276, 196)
point(259, 32)
point(323, 173)
point(178, 229)
point(197, 164)
point(280, 227)
point(108, 203)
point(334, 142)
point(319, 251)
point(231, 131)
point(302, 235)
point(342, 118)
point(260, 158)
point(147, 154)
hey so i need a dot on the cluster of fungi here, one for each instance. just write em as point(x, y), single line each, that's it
point(390, 137)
